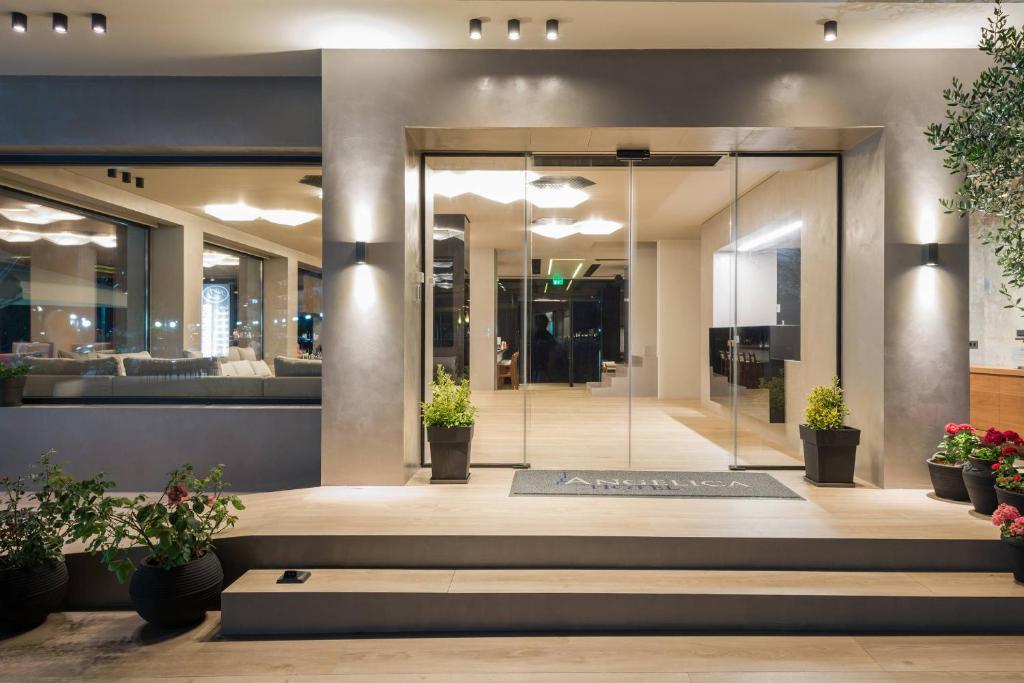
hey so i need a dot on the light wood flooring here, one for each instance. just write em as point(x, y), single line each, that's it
point(555, 426)
point(116, 646)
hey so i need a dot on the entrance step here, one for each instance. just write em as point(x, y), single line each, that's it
point(348, 601)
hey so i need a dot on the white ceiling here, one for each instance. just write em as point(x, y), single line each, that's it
point(282, 37)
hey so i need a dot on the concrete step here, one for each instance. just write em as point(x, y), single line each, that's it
point(348, 601)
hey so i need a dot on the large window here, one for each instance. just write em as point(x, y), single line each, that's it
point(232, 308)
point(72, 283)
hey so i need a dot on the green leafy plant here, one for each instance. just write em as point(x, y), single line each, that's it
point(41, 512)
point(959, 442)
point(981, 138)
point(175, 529)
point(14, 370)
point(776, 386)
point(1009, 468)
point(449, 404)
point(826, 408)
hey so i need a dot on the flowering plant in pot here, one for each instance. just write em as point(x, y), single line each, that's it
point(1009, 469)
point(181, 575)
point(830, 447)
point(39, 513)
point(980, 471)
point(12, 383)
point(449, 417)
point(1011, 528)
point(945, 467)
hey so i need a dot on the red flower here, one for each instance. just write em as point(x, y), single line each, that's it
point(995, 466)
point(1016, 477)
point(1012, 437)
point(952, 428)
point(993, 437)
point(965, 428)
point(176, 493)
point(1009, 450)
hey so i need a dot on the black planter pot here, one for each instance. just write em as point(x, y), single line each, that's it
point(980, 481)
point(11, 391)
point(1017, 558)
point(830, 455)
point(179, 596)
point(27, 596)
point(948, 481)
point(449, 454)
point(1013, 498)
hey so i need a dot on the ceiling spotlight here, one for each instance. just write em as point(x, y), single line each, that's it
point(126, 177)
point(831, 30)
point(140, 182)
point(99, 22)
point(60, 22)
point(111, 172)
point(513, 29)
point(552, 29)
point(19, 22)
point(476, 29)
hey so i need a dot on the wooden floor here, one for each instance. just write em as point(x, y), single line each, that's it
point(116, 646)
point(558, 426)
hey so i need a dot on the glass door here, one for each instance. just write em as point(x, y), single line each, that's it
point(578, 372)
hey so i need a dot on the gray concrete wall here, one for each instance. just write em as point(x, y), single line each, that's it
point(263, 448)
point(175, 115)
point(370, 97)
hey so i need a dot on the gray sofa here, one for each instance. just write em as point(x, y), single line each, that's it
point(166, 379)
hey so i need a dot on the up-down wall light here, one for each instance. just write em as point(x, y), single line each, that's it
point(360, 253)
point(930, 254)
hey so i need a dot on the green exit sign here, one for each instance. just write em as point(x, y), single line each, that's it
point(558, 281)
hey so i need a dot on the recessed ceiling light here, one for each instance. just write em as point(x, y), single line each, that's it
point(240, 211)
point(476, 29)
point(60, 22)
point(287, 217)
point(552, 29)
point(99, 23)
point(19, 22)
point(513, 29)
point(35, 214)
point(831, 30)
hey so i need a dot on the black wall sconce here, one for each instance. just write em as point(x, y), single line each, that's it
point(930, 254)
point(360, 253)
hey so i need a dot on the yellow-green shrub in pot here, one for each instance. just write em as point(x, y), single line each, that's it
point(830, 447)
point(449, 417)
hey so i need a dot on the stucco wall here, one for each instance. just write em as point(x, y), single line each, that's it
point(365, 152)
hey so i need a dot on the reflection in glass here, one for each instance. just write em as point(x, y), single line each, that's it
point(232, 302)
point(310, 314)
point(71, 283)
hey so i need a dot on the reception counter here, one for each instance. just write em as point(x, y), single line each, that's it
point(997, 398)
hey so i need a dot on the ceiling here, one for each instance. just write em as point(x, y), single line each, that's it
point(267, 188)
point(271, 37)
point(669, 203)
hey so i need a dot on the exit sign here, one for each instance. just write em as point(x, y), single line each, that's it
point(558, 281)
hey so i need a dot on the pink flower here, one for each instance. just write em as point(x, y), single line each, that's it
point(1005, 514)
point(176, 493)
point(964, 428)
point(952, 428)
point(1017, 527)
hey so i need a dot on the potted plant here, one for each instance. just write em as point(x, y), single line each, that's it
point(181, 575)
point(34, 526)
point(449, 417)
point(979, 472)
point(12, 383)
point(1011, 528)
point(830, 447)
point(946, 466)
point(1009, 478)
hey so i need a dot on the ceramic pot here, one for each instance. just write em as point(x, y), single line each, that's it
point(980, 482)
point(830, 455)
point(947, 480)
point(176, 597)
point(27, 596)
point(449, 454)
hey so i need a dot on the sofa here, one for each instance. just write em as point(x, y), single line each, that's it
point(143, 377)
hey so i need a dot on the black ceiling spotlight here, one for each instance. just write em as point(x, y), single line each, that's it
point(19, 22)
point(126, 177)
point(111, 172)
point(552, 29)
point(476, 29)
point(831, 31)
point(99, 23)
point(513, 29)
point(60, 22)
point(140, 182)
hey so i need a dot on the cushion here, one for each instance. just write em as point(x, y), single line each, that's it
point(67, 386)
point(245, 368)
point(121, 356)
point(296, 367)
point(72, 366)
point(169, 386)
point(171, 367)
point(78, 355)
point(241, 353)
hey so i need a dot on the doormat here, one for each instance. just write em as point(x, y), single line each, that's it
point(649, 484)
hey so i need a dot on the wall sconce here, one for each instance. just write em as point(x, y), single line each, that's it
point(930, 254)
point(360, 253)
